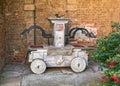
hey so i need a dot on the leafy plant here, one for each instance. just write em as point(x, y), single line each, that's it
point(107, 52)
point(116, 25)
point(107, 47)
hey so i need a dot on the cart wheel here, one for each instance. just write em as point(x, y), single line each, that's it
point(38, 66)
point(78, 64)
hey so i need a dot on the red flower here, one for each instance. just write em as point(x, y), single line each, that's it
point(115, 78)
point(104, 79)
point(88, 55)
point(112, 64)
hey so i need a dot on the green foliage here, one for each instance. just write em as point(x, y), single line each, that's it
point(116, 25)
point(107, 52)
point(107, 47)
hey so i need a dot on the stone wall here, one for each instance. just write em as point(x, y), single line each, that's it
point(19, 14)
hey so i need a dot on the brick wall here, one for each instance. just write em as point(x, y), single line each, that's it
point(2, 41)
point(19, 15)
point(14, 24)
point(99, 12)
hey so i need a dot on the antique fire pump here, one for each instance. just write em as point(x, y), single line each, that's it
point(59, 54)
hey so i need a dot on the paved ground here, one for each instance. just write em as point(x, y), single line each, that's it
point(20, 75)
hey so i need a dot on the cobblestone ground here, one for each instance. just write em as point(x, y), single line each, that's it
point(21, 75)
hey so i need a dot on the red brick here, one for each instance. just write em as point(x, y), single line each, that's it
point(29, 7)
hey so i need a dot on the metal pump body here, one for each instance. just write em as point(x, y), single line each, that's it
point(59, 54)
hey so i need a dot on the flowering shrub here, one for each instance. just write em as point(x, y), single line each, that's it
point(111, 77)
point(107, 47)
point(107, 52)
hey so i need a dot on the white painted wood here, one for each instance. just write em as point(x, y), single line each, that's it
point(58, 61)
point(59, 30)
point(38, 54)
point(38, 66)
point(78, 64)
point(59, 20)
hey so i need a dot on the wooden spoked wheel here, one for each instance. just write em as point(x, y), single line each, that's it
point(38, 66)
point(78, 64)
